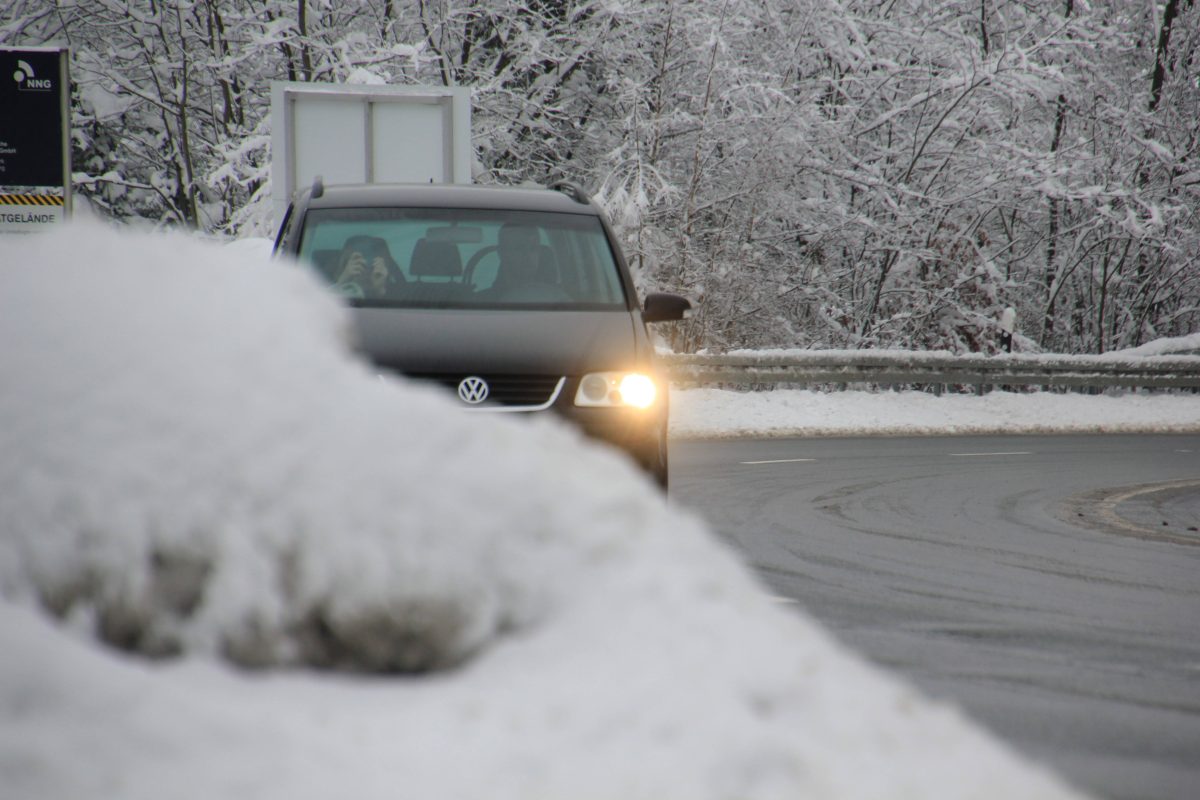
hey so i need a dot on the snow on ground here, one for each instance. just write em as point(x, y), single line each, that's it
point(194, 464)
point(716, 413)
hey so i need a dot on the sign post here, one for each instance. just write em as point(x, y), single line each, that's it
point(1008, 322)
point(35, 155)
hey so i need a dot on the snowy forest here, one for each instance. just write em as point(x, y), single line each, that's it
point(811, 173)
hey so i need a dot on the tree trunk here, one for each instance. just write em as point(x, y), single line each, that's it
point(1060, 119)
point(1161, 52)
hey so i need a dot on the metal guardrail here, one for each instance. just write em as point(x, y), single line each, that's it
point(932, 371)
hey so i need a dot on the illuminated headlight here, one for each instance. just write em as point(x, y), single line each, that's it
point(610, 389)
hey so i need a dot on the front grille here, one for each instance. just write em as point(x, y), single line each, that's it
point(505, 390)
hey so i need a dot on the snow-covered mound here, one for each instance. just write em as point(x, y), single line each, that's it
point(194, 463)
point(724, 413)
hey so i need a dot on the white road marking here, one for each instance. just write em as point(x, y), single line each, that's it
point(780, 461)
point(1013, 453)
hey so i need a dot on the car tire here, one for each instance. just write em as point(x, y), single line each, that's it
point(661, 469)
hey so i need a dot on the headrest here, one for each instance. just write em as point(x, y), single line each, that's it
point(515, 234)
point(435, 259)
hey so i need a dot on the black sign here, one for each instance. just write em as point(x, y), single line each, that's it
point(32, 130)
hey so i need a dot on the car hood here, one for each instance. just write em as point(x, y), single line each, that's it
point(497, 341)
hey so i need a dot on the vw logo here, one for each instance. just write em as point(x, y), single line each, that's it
point(473, 390)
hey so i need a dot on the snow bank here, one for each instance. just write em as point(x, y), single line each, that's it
point(719, 413)
point(193, 463)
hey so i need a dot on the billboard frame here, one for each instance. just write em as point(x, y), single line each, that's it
point(359, 107)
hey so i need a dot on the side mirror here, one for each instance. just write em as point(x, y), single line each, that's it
point(663, 307)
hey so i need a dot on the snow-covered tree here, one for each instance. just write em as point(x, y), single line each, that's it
point(812, 172)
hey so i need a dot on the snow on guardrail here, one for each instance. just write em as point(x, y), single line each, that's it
point(936, 370)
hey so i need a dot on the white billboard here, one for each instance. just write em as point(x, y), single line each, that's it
point(367, 134)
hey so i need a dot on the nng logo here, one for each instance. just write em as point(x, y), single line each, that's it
point(27, 82)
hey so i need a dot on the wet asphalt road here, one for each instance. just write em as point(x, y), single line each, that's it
point(1049, 585)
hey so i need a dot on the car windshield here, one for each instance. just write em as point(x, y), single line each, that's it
point(463, 258)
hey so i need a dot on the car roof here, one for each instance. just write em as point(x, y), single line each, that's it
point(425, 195)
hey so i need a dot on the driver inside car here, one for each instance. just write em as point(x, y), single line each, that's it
point(521, 259)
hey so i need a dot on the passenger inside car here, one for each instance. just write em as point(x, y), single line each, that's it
point(366, 269)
